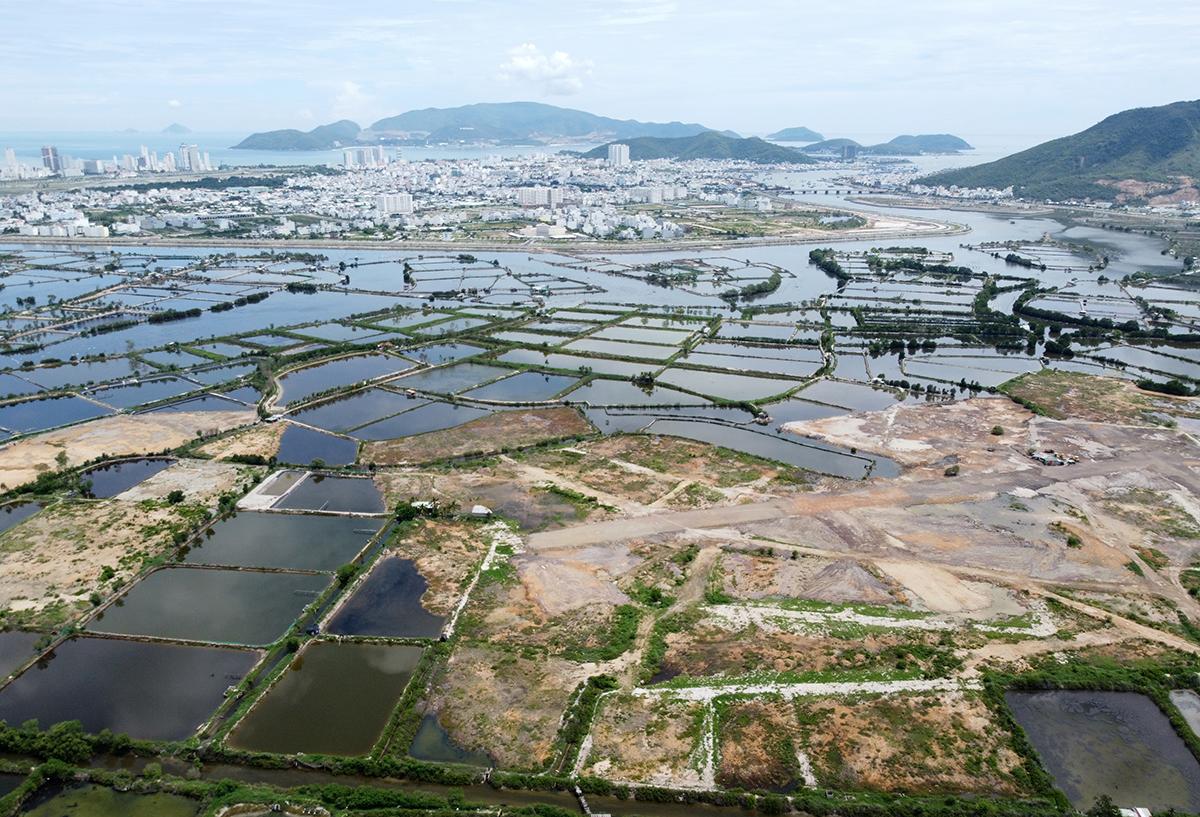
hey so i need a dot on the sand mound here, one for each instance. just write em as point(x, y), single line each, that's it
point(847, 581)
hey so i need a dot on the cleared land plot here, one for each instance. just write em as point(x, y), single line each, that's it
point(1100, 399)
point(653, 740)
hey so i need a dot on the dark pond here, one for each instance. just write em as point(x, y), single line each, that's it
point(450, 379)
point(208, 402)
point(297, 541)
point(303, 383)
point(388, 603)
point(601, 392)
point(1114, 743)
point(334, 699)
point(318, 492)
point(433, 743)
point(16, 512)
point(148, 391)
point(351, 411)
point(148, 691)
point(110, 480)
point(16, 647)
point(220, 606)
point(304, 446)
point(10, 783)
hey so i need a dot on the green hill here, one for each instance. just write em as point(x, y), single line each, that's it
point(323, 137)
point(521, 121)
point(708, 145)
point(1151, 145)
point(831, 146)
point(796, 135)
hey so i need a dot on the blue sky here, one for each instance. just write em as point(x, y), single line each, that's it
point(1022, 69)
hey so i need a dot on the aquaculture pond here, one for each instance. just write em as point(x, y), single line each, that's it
point(16, 512)
point(450, 379)
point(320, 492)
point(344, 413)
point(16, 647)
point(333, 699)
point(99, 801)
point(10, 782)
point(207, 402)
point(219, 606)
point(387, 603)
point(48, 412)
point(147, 391)
point(1114, 743)
point(148, 691)
point(523, 387)
point(304, 383)
point(433, 743)
point(433, 416)
point(304, 446)
point(603, 392)
point(726, 386)
point(286, 540)
point(118, 477)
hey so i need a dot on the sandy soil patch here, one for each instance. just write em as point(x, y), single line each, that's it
point(647, 740)
point(749, 576)
point(56, 557)
point(201, 481)
point(922, 434)
point(503, 430)
point(1073, 395)
point(757, 745)
point(938, 590)
point(260, 440)
point(122, 435)
point(507, 705)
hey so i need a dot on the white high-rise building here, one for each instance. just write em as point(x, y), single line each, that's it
point(618, 155)
point(10, 158)
point(168, 162)
point(371, 156)
point(393, 204)
point(539, 196)
point(190, 158)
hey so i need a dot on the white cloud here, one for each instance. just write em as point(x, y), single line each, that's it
point(556, 74)
point(350, 101)
point(174, 103)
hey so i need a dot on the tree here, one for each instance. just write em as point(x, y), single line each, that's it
point(61, 459)
point(346, 573)
point(1103, 807)
point(175, 497)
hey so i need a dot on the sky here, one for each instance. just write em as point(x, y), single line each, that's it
point(1015, 71)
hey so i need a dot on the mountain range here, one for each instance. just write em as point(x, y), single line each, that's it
point(1143, 153)
point(707, 145)
point(495, 122)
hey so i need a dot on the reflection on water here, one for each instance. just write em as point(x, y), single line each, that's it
point(1114, 743)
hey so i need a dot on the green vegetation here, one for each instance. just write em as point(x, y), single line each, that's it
point(707, 145)
point(622, 631)
point(1147, 144)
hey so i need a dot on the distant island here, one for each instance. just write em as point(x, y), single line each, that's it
point(1144, 153)
point(175, 127)
point(796, 135)
point(904, 145)
point(323, 137)
point(708, 145)
point(511, 123)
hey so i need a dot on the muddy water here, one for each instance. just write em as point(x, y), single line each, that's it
point(388, 603)
point(1114, 743)
point(110, 480)
point(299, 542)
point(218, 606)
point(334, 699)
point(433, 743)
point(148, 691)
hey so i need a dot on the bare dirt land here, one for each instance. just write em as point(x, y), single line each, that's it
point(501, 431)
point(200, 481)
point(260, 440)
point(648, 740)
point(757, 744)
point(507, 705)
point(51, 562)
point(1063, 395)
point(758, 576)
point(917, 743)
point(446, 554)
point(917, 435)
point(125, 434)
